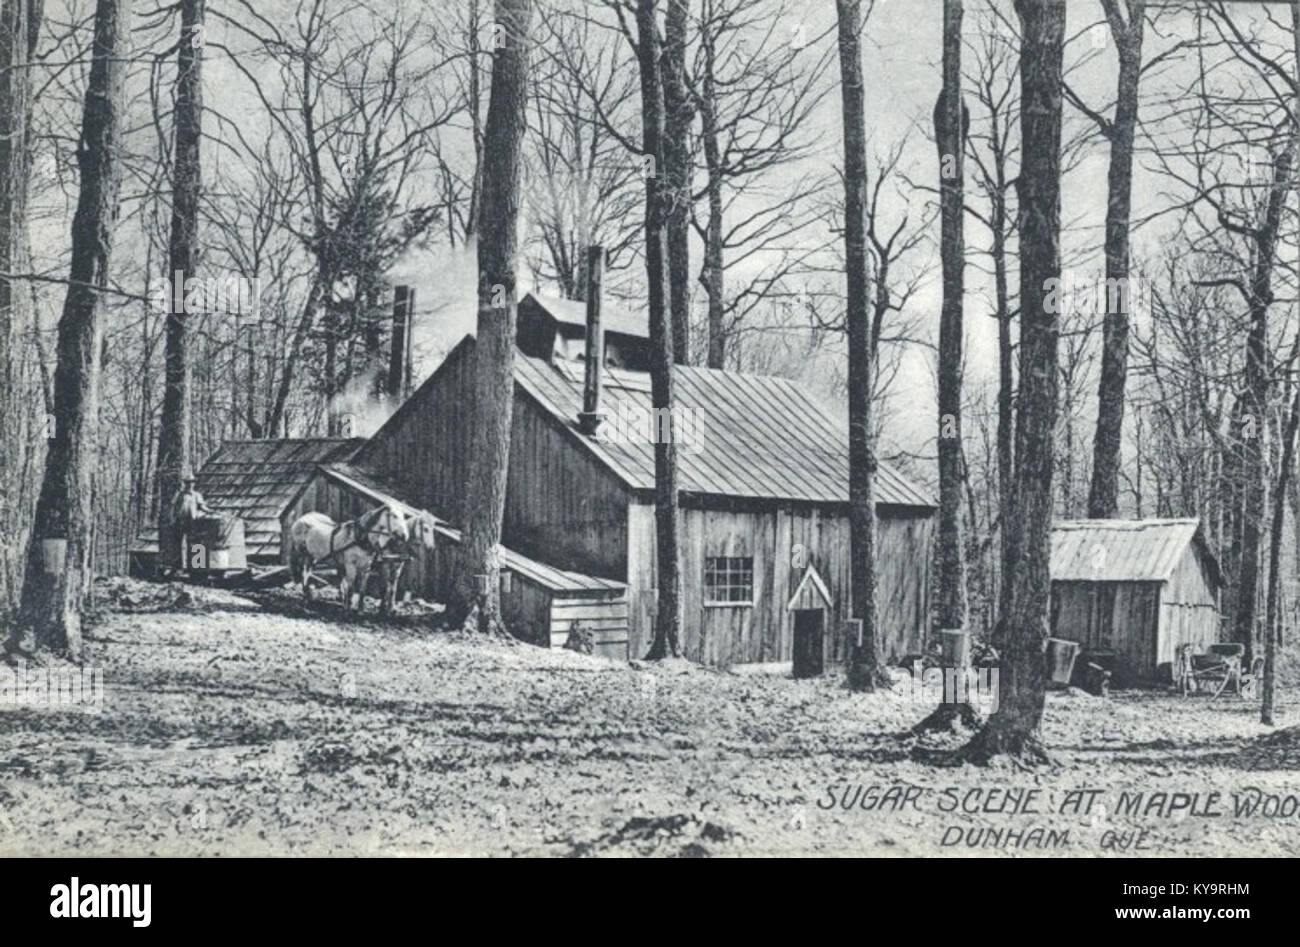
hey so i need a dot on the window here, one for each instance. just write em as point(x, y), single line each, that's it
point(729, 580)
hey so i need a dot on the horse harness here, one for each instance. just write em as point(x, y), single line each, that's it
point(361, 536)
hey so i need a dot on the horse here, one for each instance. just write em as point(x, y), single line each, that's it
point(389, 566)
point(353, 545)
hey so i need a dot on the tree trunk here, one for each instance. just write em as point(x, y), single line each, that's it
point(1271, 624)
point(1103, 495)
point(713, 262)
point(19, 28)
point(866, 658)
point(476, 123)
point(950, 122)
point(1006, 386)
point(668, 617)
point(1255, 402)
point(678, 115)
point(58, 559)
point(182, 263)
point(1021, 634)
point(494, 350)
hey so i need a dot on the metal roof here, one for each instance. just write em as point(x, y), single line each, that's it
point(256, 480)
point(740, 435)
point(573, 312)
point(1124, 550)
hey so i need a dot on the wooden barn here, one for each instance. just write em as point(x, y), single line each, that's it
point(763, 477)
point(254, 480)
point(1139, 587)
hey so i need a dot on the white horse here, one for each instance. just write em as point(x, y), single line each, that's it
point(389, 566)
point(353, 546)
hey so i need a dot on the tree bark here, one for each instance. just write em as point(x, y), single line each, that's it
point(679, 113)
point(19, 29)
point(494, 349)
point(1103, 494)
point(668, 618)
point(182, 263)
point(714, 285)
point(1271, 624)
point(1021, 633)
point(1255, 402)
point(951, 121)
point(866, 658)
point(58, 559)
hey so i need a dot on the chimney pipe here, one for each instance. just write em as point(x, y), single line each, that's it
point(591, 416)
point(399, 352)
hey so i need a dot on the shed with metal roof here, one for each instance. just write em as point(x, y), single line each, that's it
point(763, 490)
point(1138, 587)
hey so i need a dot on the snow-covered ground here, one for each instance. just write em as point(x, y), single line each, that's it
point(239, 726)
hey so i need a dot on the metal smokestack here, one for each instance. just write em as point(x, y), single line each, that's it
point(591, 416)
point(399, 352)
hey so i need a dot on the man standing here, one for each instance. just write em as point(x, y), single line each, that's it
point(188, 507)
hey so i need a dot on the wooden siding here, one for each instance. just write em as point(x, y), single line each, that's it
point(605, 618)
point(1189, 608)
point(423, 449)
point(563, 507)
point(722, 635)
point(1144, 621)
point(1119, 615)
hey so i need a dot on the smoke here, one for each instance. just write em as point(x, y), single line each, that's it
point(445, 281)
point(360, 412)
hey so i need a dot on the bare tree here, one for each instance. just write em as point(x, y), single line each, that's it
point(668, 618)
point(678, 158)
point(494, 349)
point(866, 657)
point(1126, 28)
point(951, 125)
point(1272, 627)
point(58, 560)
point(994, 150)
point(582, 186)
point(1022, 629)
point(20, 22)
point(756, 81)
point(182, 260)
point(357, 116)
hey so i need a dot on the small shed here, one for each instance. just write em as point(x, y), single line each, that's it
point(1138, 587)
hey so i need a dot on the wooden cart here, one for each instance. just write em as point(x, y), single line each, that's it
point(1214, 670)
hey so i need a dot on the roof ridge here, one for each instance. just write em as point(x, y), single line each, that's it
point(281, 440)
point(766, 437)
